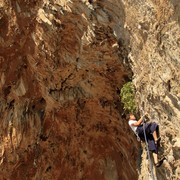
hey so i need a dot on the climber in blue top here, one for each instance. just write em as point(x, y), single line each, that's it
point(151, 130)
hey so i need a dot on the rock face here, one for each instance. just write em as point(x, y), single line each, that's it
point(154, 28)
point(60, 68)
point(62, 63)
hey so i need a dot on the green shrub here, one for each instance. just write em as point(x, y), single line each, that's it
point(127, 95)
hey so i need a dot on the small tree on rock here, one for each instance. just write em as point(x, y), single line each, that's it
point(127, 95)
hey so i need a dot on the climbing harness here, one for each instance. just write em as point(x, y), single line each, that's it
point(137, 136)
point(150, 162)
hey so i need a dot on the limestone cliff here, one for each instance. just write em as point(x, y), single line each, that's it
point(62, 63)
point(60, 69)
point(154, 28)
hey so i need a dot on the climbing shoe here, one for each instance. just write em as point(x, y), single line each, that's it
point(159, 163)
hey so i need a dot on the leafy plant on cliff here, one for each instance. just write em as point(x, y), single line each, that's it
point(127, 95)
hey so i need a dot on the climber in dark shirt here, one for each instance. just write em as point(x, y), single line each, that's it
point(151, 130)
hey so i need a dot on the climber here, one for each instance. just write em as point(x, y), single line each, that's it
point(151, 130)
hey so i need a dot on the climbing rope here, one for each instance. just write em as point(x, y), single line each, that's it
point(150, 162)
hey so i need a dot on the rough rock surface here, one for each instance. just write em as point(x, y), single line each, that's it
point(154, 28)
point(61, 64)
point(60, 69)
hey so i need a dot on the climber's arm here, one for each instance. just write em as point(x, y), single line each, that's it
point(138, 122)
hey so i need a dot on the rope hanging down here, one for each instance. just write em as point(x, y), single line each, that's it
point(150, 162)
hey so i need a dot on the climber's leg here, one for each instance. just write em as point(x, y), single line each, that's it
point(155, 157)
point(154, 129)
point(155, 135)
point(156, 162)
